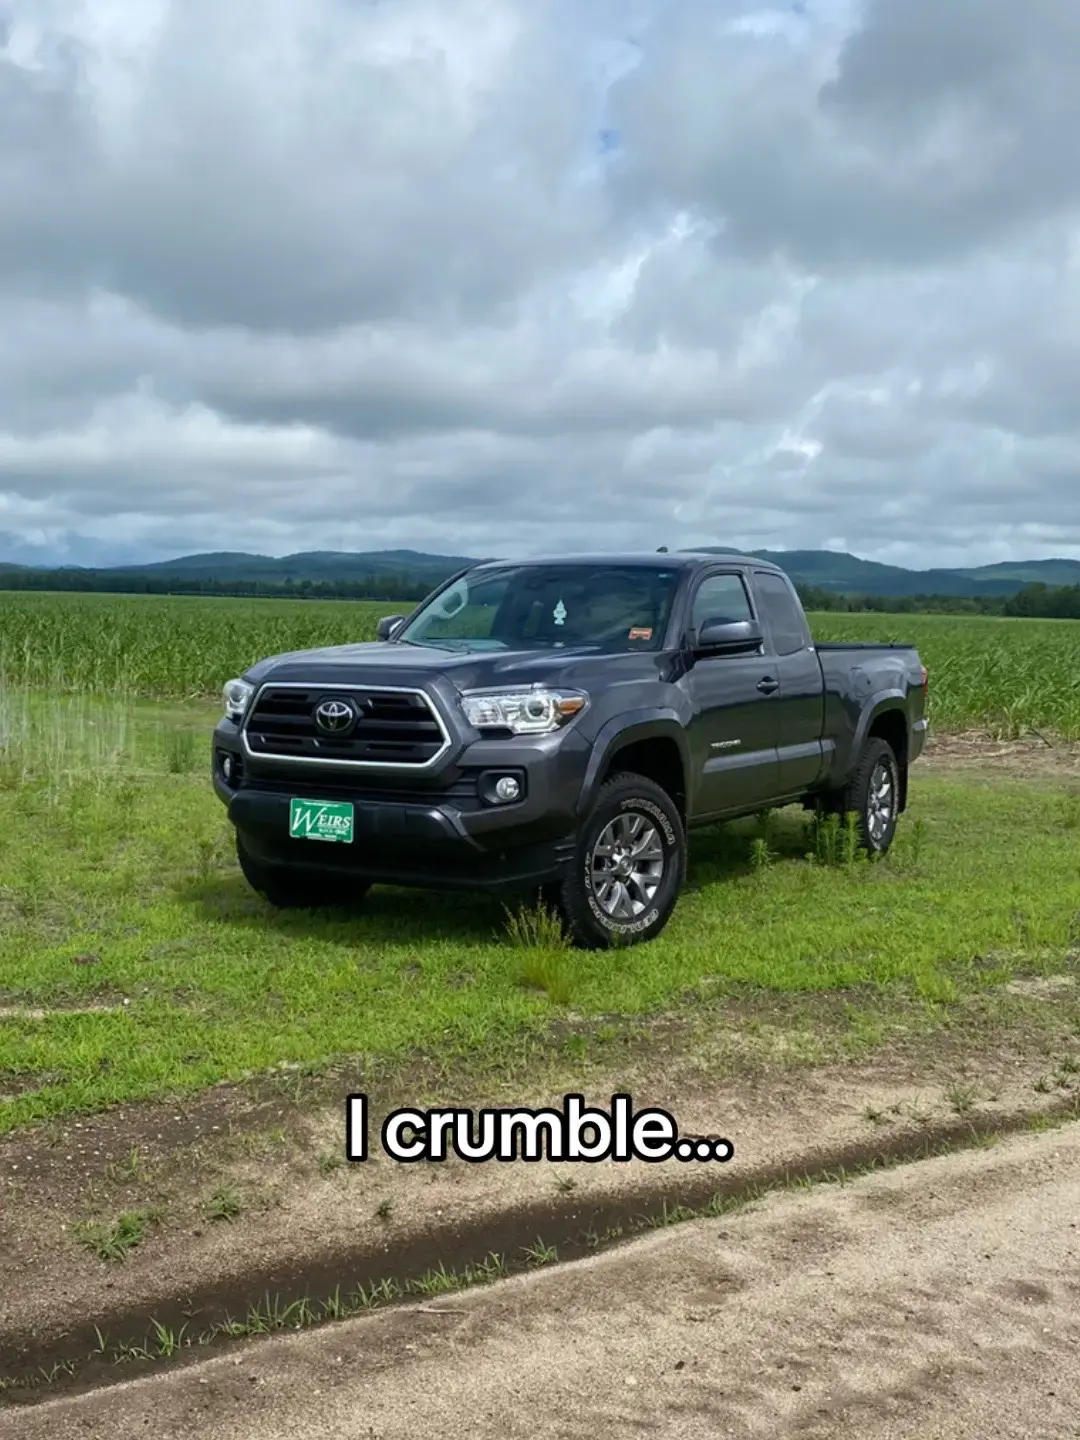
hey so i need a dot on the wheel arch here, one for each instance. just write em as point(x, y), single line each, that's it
point(652, 744)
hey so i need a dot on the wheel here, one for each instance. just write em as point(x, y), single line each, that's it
point(287, 889)
point(628, 868)
point(872, 794)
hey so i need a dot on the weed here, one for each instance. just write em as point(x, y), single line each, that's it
point(168, 1340)
point(112, 1240)
point(224, 1204)
point(181, 751)
point(132, 1169)
point(540, 1254)
point(436, 1282)
point(911, 843)
point(536, 927)
point(824, 839)
point(961, 1098)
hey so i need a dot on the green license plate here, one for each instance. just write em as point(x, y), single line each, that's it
point(321, 820)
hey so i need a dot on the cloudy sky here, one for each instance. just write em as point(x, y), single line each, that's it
point(495, 276)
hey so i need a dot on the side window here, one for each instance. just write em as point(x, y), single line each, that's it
point(721, 597)
point(782, 614)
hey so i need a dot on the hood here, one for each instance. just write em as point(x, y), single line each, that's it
point(382, 662)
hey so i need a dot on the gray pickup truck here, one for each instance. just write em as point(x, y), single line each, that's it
point(558, 726)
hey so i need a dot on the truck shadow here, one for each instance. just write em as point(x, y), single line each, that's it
point(392, 916)
point(737, 848)
point(387, 916)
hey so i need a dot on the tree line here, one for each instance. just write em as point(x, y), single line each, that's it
point(391, 588)
point(1036, 601)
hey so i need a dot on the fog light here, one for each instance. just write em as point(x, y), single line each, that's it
point(227, 769)
point(507, 788)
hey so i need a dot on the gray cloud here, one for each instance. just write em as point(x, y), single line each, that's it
point(357, 274)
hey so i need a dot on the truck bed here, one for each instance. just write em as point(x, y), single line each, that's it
point(820, 645)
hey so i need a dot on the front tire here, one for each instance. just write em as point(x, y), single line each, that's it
point(629, 866)
point(287, 889)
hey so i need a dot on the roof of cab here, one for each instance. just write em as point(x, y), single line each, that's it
point(650, 560)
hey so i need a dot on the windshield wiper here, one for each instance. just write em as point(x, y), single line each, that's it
point(455, 646)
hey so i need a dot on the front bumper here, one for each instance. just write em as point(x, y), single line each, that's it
point(433, 830)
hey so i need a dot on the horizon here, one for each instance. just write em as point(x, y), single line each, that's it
point(437, 556)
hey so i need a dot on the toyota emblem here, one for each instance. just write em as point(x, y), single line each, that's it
point(335, 717)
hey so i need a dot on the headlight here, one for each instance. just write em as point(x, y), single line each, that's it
point(523, 712)
point(237, 694)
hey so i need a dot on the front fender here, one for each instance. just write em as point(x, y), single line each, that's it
point(656, 723)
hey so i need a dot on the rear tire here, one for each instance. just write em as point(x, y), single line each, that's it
point(628, 868)
point(287, 889)
point(872, 795)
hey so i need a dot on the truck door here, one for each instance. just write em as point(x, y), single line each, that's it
point(799, 705)
point(733, 730)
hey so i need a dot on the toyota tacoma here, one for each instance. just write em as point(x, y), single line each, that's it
point(557, 727)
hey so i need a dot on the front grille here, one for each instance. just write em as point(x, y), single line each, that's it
point(395, 727)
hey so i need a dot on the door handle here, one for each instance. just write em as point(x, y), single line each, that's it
point(768, 686)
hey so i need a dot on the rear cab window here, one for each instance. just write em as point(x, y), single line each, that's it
point(781, 613)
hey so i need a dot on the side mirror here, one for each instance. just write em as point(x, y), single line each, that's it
point(384, 630)
point(722, 637)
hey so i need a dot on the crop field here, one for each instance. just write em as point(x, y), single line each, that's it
point(1005, 675)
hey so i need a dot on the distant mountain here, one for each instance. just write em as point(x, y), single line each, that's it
point(849, 575)
point(307, 565)
point(827, 569)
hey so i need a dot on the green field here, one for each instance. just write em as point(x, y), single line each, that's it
point(1006, 675)
point(134, 961)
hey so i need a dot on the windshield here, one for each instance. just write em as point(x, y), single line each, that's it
point(537, 607)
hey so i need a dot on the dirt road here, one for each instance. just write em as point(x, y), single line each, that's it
point(937, 1300)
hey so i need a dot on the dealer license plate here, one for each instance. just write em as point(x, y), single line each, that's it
point(321, 820)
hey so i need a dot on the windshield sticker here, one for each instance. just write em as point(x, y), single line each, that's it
point(560, 613)
point(639, 632)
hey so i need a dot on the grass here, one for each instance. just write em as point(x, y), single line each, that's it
point(111, 854)
point(1007, 675)
point(113, 1239)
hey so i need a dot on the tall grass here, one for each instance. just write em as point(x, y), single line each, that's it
point(1005, 675)
point(56, 744)
point(61, 740)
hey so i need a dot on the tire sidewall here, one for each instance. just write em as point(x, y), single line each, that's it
point(881, 754)
point(655, 807)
